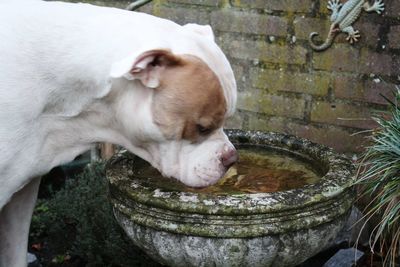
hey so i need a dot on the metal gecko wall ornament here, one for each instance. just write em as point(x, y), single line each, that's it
point(342, 18)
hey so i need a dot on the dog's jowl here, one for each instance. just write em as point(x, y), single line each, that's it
point(75, 74)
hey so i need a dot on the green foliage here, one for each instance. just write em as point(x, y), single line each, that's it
point(78, 220)
point(379, 173)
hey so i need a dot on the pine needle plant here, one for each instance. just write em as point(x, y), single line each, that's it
point(379, 177)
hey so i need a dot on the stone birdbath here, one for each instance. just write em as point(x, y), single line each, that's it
point(179, 226)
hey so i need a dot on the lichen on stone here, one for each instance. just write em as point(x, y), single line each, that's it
point(283, 224)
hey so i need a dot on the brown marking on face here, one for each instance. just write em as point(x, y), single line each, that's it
point(189, 103)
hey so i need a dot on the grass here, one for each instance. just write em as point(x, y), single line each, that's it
point(379, 175)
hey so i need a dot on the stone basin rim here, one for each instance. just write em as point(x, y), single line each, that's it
point(337, 181)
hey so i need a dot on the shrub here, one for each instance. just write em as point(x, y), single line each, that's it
point(379, 173)
point(78, 220)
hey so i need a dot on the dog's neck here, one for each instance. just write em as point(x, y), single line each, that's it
point(96, 123)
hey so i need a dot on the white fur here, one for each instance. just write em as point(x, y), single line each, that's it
point(61, 91)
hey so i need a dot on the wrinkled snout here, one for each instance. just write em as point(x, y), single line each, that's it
point(229, 156)
point(197, 165)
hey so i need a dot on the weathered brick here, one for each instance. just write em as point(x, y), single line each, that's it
point(263, 51)
point(148, 8)
point(348, 87)
point(182, 15)
point(109, 3)
point(342, 114)
point(375, 63)
point(374, 91)
point(394, 37)
point(245, 22)
point(368, 31)
point(323, 7)
point(339, 139)
point(266, 123)
point(392, 8)
point(340, 57)
point(241, 76)
point(331, 136)
point(210, 3)
point(234, 122)
point(261, 102)
point(396, 67)
point(276, 5)
point(352, 87)
point(304, 26)
point(316, 83)
point(237, 71)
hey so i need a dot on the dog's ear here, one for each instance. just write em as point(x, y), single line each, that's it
point(147, 67)
point(204, 30)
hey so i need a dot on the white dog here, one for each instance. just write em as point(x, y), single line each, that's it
point(75, 74)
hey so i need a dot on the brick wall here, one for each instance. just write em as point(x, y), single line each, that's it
point(284, 86)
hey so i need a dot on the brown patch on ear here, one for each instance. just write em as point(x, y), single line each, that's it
point(189, 103)
point(149, 66)
point(159, 57)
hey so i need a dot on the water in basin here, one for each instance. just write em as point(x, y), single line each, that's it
point(259, 170)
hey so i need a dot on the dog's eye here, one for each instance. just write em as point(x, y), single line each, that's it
point(203, 130)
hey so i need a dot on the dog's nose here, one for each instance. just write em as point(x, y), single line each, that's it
point(229, 156)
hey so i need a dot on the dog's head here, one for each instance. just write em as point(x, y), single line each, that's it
point(173, 108)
